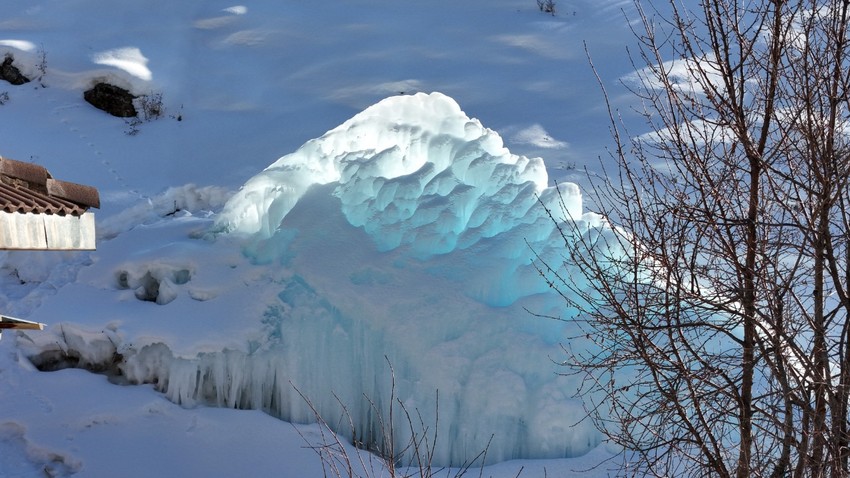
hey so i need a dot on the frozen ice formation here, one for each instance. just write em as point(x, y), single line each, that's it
point(411, 170)
point(447, 210)
point(400, 238)
point(452, 212)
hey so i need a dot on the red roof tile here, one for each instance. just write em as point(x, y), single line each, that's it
point(26, 187)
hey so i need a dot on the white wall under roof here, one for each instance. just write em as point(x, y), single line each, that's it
point(47, 231)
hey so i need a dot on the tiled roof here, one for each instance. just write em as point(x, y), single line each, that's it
point(27, 187)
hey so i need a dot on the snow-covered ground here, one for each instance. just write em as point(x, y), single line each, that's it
point(403, 241)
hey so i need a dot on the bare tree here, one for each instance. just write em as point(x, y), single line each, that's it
point(719, 298)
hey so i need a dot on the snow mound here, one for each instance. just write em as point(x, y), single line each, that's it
point(411, 170)
point(128, 59)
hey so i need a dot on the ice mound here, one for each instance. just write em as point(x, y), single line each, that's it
point(411, 170)
point(407, 229)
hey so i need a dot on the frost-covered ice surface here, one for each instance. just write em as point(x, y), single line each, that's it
point(401, 240)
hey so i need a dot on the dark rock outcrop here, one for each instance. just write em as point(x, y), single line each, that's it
point(112, 99)
point(11, 73)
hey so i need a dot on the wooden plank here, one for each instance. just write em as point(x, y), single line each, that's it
point(21, 324)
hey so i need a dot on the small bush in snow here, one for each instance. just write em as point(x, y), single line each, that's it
point(385, 455)
point(132, 126)
point(41, 66)
point(546, 6)
point(151, 106)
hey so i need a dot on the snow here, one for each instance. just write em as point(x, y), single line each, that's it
point(396, 239)
point(128, 59)
point(21, 45)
